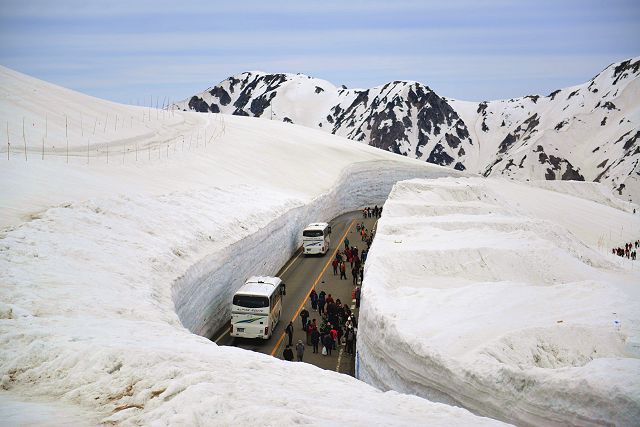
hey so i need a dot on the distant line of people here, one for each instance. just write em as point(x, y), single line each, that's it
point(629, 250)
point(373, 212)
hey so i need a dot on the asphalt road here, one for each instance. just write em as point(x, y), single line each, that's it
point(301, 274)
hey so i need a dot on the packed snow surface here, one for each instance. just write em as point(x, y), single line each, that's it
point(116, 252)
point(505, 298)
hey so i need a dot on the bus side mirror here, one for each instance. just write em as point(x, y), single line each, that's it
point(283, 289)
point(329, 229)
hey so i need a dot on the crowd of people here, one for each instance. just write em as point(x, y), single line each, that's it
point(373, 212)
point(356, 260)
point(337, 323)
point(629, 250)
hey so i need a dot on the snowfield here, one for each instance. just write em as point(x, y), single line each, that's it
point(107, 267)
point(504, 298)
point(119, 256)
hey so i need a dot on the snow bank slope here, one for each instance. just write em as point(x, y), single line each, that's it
point(105, 266)
point(502, 298)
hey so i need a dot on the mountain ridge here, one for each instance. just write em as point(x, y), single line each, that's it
point(588, 131)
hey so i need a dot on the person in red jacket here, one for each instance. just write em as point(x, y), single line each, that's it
point(334, 264)
point(334, 335)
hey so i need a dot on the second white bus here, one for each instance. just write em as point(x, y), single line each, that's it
point(315, 238)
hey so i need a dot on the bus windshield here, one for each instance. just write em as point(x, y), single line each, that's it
point(250, 301)
point(312, 233)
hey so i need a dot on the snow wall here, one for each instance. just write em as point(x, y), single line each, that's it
point(472, 297)
point(203, 294)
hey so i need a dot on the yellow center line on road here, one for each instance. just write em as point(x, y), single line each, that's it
point(304, 300)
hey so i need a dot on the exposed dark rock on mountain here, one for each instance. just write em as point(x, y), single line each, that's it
point(590, 128)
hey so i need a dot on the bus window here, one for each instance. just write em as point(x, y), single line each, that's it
point(250, 301)
point(313, 233)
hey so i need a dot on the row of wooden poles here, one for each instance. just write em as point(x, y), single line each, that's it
point(24, 138)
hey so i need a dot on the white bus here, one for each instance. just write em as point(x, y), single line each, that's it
point(315, 238)
point(256, 307)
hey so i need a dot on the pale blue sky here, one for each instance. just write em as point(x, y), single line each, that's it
point(470, 49)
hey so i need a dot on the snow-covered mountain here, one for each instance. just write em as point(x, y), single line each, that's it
point(403, 117)
point(586, 132)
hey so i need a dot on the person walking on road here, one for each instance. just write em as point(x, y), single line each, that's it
point(321, 302)
point(333, 333)
point(329, 299)
point(288, 353)
point(289, 332)
point(310, 327)
point(328, 343)
point(334, 264)
point(315, 339)
point(354, 273)
point(299, 350)
point(314, 299)
point(349, 338)
point(343, 271)
point(304, 315)
point(358, 297)
point(346, 243)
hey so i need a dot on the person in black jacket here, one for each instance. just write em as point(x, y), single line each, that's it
point(288, 353)
point(289, 332)
point(315, 339)
point(304, 315)
point(328, 343)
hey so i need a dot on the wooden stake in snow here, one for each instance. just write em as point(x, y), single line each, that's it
point(66, 134)
point(8, 142)
point(81, 126)
point(115, 126)
point(24, 138)
point(136, 151)
point(163, 107)
point(43, 148)
point(95, 123)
